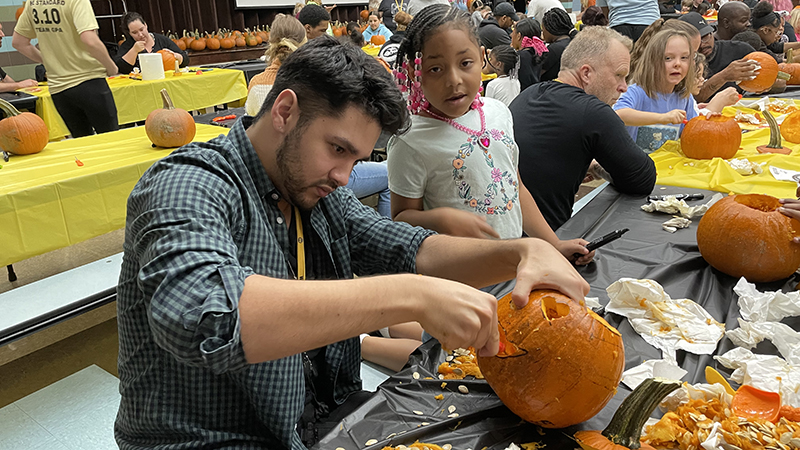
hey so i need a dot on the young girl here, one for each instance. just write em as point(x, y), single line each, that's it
point(375, 28)
point(527, 40)
point(503, 61)
point(557, 31)
point(725, 97)
point(662, 91)
point(455, 170)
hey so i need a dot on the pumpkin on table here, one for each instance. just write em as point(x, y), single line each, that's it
point(559, 364)
point(377, 40)
point(712, 137)
point(169, 127)
point(746, 236)
point(790, 128)
point(168, 58)
point(21, 133)
point(766, 75)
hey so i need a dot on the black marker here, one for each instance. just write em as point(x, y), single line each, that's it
point(599, 242)
point(697, 196)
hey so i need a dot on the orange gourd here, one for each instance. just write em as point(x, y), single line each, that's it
point(227, 42)
point(21, 133)
point(745, 236)
point(714, 137)
point(168, 58)
point(364, 14)
point(169, 127)
point(790, 128)
point(766, 75)
point(793, 69)
point(240, 41)
point(198, 45)
point(212, 43)
point(377, 40)
point(187, 39)
point(179, 42)
point(19, 11)
point(551, 338)
point(250, 40)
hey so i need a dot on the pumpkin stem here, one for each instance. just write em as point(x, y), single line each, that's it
point(8, 108)
point(167, 101)
point(774, 130)
point(789, 56)
point(625, 428)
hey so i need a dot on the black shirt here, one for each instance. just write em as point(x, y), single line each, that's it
point(160, 42)
point(552, 59)
point(492, 35)
point(530, 68)
point(2, 74)
point(726, 52)
point(389, 9)
point(559, 129)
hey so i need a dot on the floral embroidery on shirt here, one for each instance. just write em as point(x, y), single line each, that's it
point(499, 196)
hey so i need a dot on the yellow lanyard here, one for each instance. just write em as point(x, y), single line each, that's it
point(301, 251)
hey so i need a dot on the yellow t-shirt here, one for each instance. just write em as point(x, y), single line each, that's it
point(58, 25)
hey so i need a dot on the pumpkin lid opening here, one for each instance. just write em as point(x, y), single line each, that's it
point(760, 202)
point(553, 309)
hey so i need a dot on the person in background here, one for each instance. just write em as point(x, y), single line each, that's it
point(767, 24)
point(297, 8)
point(526, 39)
point(389, 50)
point(557, 31)
point(594, 16)
point(537, 8)
point(77, 63)
point(285, 36)
point(387, 10)
point(7, 84)
point(566, 127)
point(315, 20)
point(504, 61)
point(630, 17)
point(476, 9)
point(725, 97)
point(780, 5)
point(794, 20)
point(140, 39)
point(375, 28)
point(733, 18)
point(354, 35)
point(660, 25)
point(494, 30)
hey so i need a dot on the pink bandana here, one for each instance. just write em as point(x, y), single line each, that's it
point(538, 45)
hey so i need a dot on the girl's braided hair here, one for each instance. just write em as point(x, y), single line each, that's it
point(558, 23)
point(506, 55)
point(427, 22)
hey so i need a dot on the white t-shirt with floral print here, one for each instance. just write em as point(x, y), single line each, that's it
point(447, 167)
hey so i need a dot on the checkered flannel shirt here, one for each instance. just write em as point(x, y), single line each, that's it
point(199, 222)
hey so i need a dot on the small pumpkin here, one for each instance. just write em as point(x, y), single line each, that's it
point(187, 39)
point(19, 12)
point(712, 137)
point(625, 429)
point(227, 42)
point(169, 127)
point(559, 363)
point(198, 45)
point(746, 236)
point(766, 75)
point(250, 40)
point(179, 42)
point(21, 133)
point(364, 14)
point(793, 69)
point(212, 43)
point(377, 40)
point(790, 128)
point(168, 58)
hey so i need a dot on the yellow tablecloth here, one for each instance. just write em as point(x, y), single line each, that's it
point(135, 99)
point(48, 202)
point(674, 169)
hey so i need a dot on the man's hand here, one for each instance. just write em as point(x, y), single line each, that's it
point(28, 84)
point(457, 315)
point(465, 224)
point(543, 267)
point(674, 116)
point(740, 70)
point(111, 69)
point(572, 246)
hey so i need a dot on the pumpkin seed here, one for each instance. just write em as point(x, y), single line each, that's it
point(441, 377)
point(419, 413)
point(786, 438)
point(424, 423)
point(451, 409)
point(339, 448)
point(415, 375)
point(389, 436)
point(458, 371)
point(726, 446)
point(425, 447)
point(371, 442)
point(455, 361)
point(452, 415)
point(463, 389)
point(447, 447)
point(795, 442)
point(449, 358)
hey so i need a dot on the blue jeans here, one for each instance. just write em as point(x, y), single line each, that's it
point(368, 178)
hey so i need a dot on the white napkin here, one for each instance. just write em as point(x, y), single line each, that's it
point(653, 368)
point(744, 166)
point(677, 222)
point(671, 205)
point(756, 306)
point(663, 322)
point(767, 372)
point(785, 339)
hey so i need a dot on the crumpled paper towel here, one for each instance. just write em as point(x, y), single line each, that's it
point(663, 322)
point(785, 339)
point(745, 166)
point(699, 391)
point(592, 302)
point(756, 306)
point(653, 368)
point(676, 222)
point(671, 205)
point(767, 372)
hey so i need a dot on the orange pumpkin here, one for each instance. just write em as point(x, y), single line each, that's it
point(19, 12)
point(766, 75)
point(187, 39)
point(179, 42)
point(227, 42)
point(169, 127)
point(198, 45)
point(550, 338)
point(250, 40)
point(212, 43)
point(793, 69)
point(21, 133)
point(790, 128)
point(169, 59)
point(240, 41)
point(377, 40)
point(745, 236)
point(364, 14)
point(707, 138)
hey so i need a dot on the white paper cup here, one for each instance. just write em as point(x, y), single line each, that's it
point(152, 65)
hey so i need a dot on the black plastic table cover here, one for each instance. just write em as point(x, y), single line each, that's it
point(646, 251)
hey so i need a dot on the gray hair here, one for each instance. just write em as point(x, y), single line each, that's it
point(591, 45)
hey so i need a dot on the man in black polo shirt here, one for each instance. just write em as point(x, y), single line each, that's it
point(725, 63)
point(565, 125)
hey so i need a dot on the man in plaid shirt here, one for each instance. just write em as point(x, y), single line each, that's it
point(219, 342)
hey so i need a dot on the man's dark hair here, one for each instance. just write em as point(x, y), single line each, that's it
point(328, 76)
point(426, 23)
point(312, 14)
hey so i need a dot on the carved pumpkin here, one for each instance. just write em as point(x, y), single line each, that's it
point(168, 58)
point(377, 40)
point(21, 133)
point(766, 75)
point(707, 138)
point(169, 127)
point(790, 128)
point(553, 337)
point(625, 428)
point(745, 236)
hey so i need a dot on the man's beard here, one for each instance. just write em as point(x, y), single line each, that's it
point(291, 169)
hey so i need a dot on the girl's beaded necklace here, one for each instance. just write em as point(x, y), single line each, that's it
point(482, 136)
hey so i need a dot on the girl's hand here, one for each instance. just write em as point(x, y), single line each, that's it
point(572, 246)
point(465, 224)
point(674, 116)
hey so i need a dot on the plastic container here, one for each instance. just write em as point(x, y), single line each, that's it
point(152, 65)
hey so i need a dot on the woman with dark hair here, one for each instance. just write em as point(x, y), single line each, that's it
point(594, 16)
point(557, 31)
point(354, 34)
point(526, 39)
point(766, 23)
point(139, 39)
